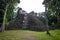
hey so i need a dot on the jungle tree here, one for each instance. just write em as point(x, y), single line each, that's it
point(5, 5)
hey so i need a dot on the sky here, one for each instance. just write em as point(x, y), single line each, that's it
point(32, 5)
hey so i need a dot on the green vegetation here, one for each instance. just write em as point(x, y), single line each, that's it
point(29, 35)
point(6, 12)
point(55, 35)
point(52, 9)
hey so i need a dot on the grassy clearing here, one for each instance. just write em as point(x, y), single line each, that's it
point(19, 34)
point(43, 36)
point(14, 35)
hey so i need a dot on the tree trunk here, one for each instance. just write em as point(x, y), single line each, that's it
point(3, 24)
point(48, 33)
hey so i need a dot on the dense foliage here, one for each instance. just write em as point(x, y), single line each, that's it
point(53, 9)
point(6, 11)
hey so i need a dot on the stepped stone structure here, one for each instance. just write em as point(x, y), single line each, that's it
point(29, 21)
